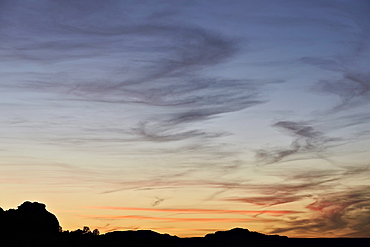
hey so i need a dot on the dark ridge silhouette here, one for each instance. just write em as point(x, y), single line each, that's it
point(242, 237)
point(32, 225)
point(140, 238)
point(139, 234)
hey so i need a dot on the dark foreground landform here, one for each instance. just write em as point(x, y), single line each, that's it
point(32, 225)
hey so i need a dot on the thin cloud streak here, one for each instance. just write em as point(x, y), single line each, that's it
point(269, 200)
point(200, 211)
point(115, 217)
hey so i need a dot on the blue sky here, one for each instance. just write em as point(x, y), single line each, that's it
point(222, 105)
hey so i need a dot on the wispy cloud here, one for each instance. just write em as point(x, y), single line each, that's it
point(353, 88)
point(333, 209)
point(338, 214)
point(306, 141)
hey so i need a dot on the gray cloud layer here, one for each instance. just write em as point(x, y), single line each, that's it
point(126, 61)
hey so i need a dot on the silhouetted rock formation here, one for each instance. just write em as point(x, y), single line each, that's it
point(31, 218)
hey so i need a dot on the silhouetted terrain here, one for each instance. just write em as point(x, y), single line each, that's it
point(32, 225)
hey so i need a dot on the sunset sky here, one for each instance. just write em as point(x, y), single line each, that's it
point(187, 117)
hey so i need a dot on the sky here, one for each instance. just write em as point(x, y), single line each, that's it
point(188, 117)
